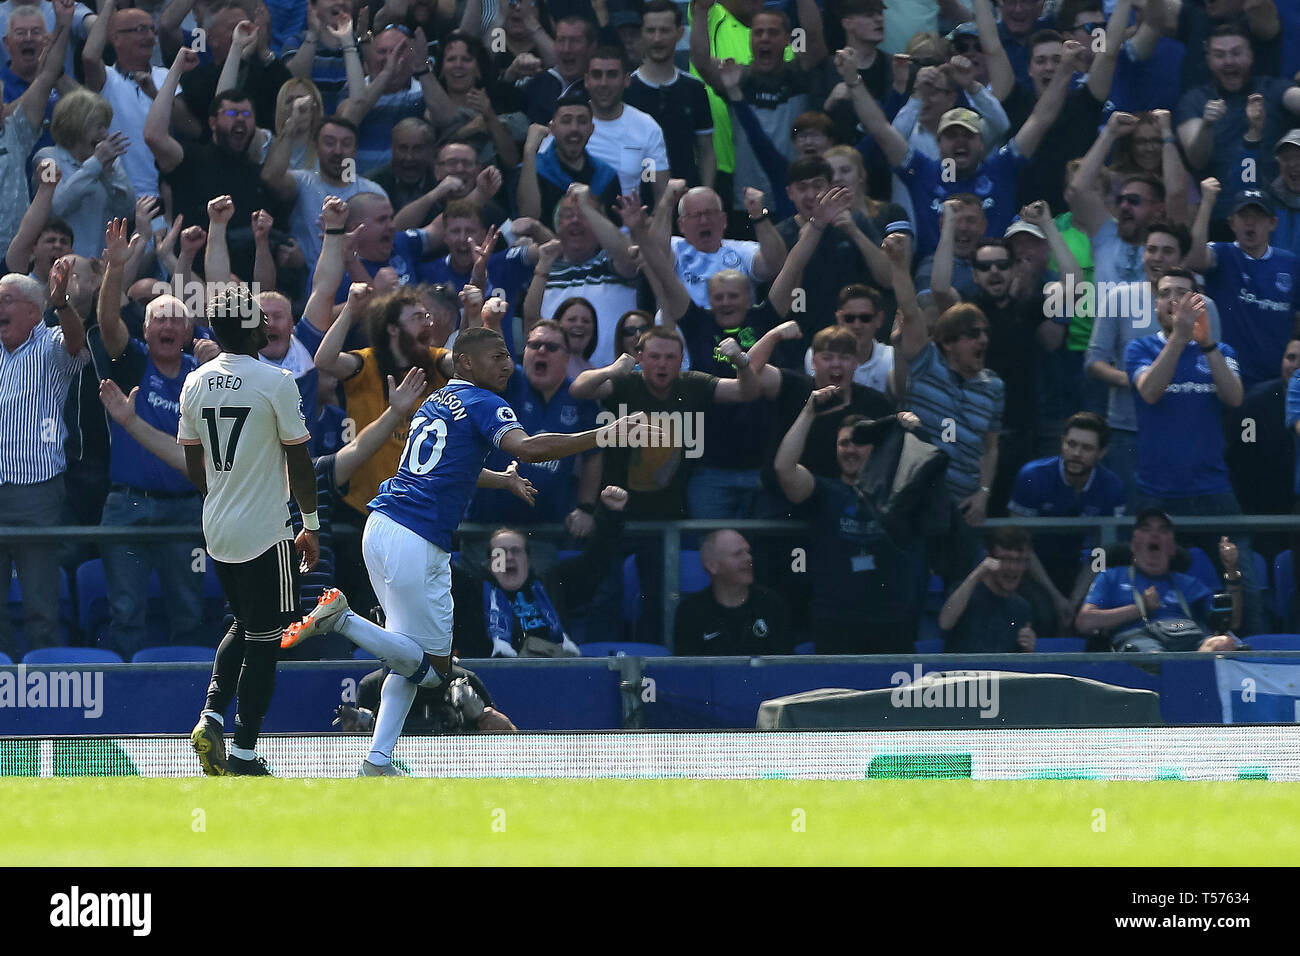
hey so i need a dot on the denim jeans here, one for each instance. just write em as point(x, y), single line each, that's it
point(127, 565)
point(731, 493)
point(1254, 616)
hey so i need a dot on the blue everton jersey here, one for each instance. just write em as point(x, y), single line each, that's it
point(451, 436)
point(554, 480)
point(1180, 437)
point(994, 183)
point(1256, 299)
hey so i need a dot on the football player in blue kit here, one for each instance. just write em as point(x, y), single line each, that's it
point(407, 538)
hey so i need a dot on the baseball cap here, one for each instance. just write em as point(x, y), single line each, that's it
point(1146, 513)
point(1018, 225)
point(900, 225)
point(1290, 139)
point(967, 29)
point(1252, 197)
point(966, 119)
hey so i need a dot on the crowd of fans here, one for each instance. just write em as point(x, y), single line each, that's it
point(1024, 258)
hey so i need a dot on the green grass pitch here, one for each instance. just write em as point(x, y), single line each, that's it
point(426, 822)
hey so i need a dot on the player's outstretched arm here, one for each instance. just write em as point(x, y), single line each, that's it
point(629, 431)
point(509, 480)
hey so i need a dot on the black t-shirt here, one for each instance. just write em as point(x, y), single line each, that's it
point(819, 454)
point(989, 625)
point(656, 477)
point(207, 170)
point(261, 82)
point(856, 572)
point(681, 108)
point(551, 193)
point(1015, 355)
point(835, 263)
point(734, 434)
point(1263, 469)
point(759, 626)
point(1074, 131)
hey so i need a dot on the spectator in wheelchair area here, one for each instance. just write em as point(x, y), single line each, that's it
point(1111, 609)
point(733, 615)
point(460, 705)
point(505, 609)
point(986, 614)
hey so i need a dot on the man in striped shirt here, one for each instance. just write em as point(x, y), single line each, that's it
point(37, 365)
point(958, 400)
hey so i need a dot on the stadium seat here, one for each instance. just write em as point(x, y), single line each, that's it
point(624, 648)
point(1274, 642)
point(566, 555)
point(361, 654)
point(693, 576)
point(807, 647)
point(72, 655)
point(1283, 587)
point(92, 600)
point(179, 653)
point(5, 658)
point(929, 645)
point(1060, 645)
point(1203, 569)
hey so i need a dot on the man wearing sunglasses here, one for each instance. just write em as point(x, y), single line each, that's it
point(568, 489)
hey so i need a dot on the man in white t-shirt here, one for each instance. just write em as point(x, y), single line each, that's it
point(860, 312)
point(129, 85)
point(245, 441)
point(700, 252)
point(625, 138)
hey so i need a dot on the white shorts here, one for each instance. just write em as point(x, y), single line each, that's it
point(412, 579)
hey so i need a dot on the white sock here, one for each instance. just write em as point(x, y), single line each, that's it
point(394, 704)
point(243, 754)
point(214, 715)
point(398, 651)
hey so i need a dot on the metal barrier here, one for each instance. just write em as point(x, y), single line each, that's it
point(1109, 528)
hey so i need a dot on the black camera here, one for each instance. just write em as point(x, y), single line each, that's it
point(1220, 619)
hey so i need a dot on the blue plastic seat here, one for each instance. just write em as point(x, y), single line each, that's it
point(361, 654)
point(5, 658)
point(929, 645)
point(72, 655)
point(1060, 645)
point(622, 648)
point(807, 647)
point(1283, 587)
point(693, 576)
point(1274, 642)
point(179, 653)
point(92, 600)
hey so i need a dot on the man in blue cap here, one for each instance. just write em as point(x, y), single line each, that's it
point(1252, 282)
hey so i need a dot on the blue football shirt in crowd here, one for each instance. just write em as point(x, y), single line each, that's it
point(1180, 437)
point(1257, 301)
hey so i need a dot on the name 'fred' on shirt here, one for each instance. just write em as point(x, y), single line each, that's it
point(230, 382)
